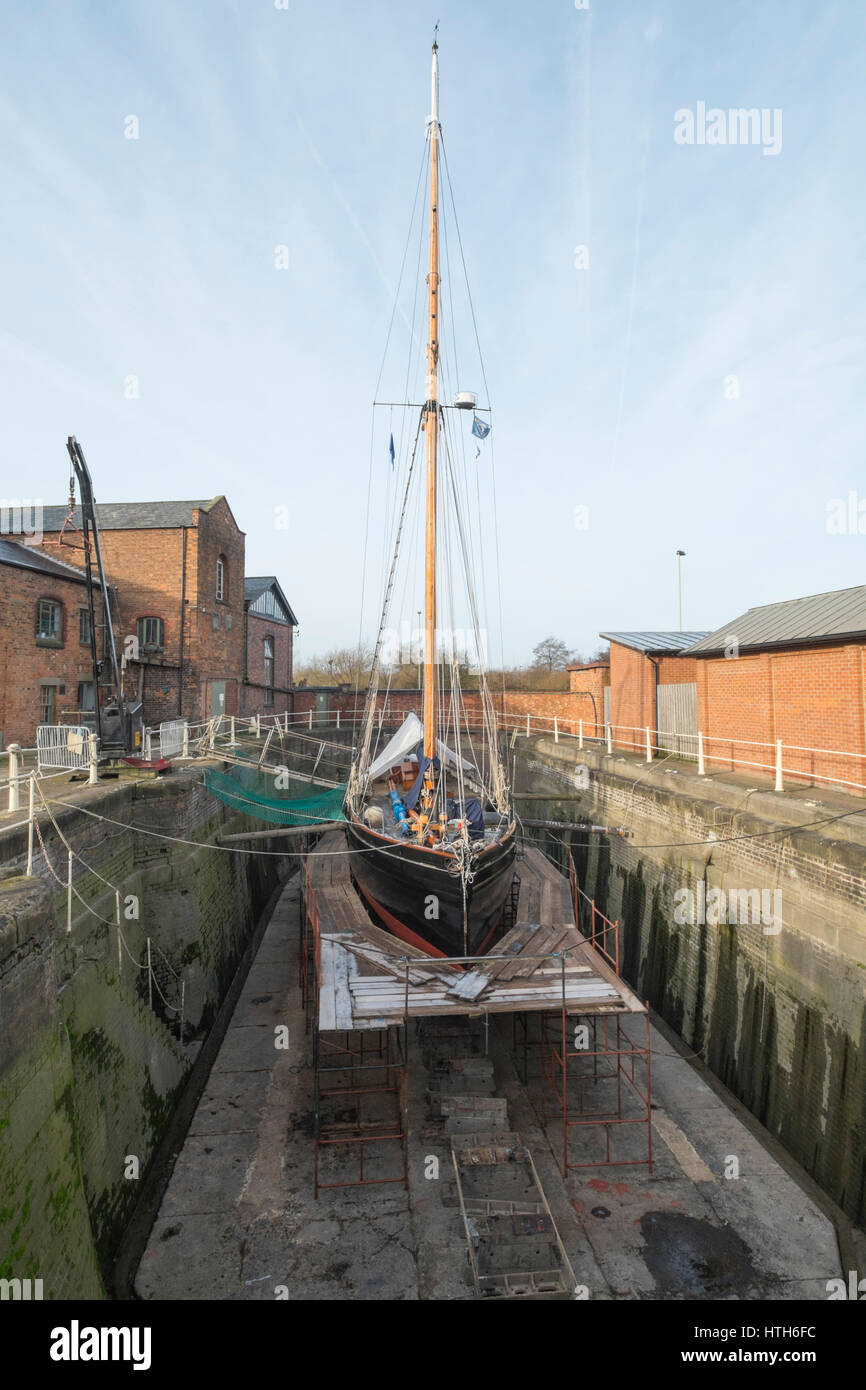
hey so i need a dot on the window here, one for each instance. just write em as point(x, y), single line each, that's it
point(49, 621)
point(86, 695)
point(84, 628)
point(221, 579)
point(151, 634)
point(268, 672)
point(46, 704)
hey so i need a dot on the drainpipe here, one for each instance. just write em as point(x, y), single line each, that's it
point(182, 616)
point(245, 668)
point(655, 667)
point(592, 697)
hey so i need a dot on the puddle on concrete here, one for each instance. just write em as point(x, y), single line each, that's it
point(689, 1258)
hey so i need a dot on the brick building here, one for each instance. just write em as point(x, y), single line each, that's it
point(178, 572)
point(193, 637)
point(641, 663)
point(45, 665)
point(792, 671)
point(269, 626)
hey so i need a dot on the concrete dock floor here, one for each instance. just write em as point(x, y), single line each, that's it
point(238, 1219)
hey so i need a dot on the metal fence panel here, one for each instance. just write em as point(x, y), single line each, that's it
point(62, 745)
point(678, 719)
point(171, 735)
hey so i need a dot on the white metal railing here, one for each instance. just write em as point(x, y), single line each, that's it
point(63, 745)
point(77, 754)
point(777, 759)
point(720, 750)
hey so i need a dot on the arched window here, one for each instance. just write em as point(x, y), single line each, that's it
point(221, 580)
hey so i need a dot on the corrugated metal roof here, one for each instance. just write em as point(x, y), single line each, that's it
point(654, 641)
point(27, 558)
point(817, 618)
point(131, 516)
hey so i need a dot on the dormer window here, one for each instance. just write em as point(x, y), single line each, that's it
point(221, 579)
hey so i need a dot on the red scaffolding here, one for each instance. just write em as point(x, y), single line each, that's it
point(593, 1067)
point(360, 1097)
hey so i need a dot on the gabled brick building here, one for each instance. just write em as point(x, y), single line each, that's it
point(178, 572)
point(195, 639)
point(270, 628)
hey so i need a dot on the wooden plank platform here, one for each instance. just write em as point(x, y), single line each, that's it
point(328, 862)
point(545, 893)
point(537, 966)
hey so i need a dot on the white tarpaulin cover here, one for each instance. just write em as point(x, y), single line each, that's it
point(407, 737)
point(406, 740)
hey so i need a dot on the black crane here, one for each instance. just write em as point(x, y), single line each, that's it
point(116, 722)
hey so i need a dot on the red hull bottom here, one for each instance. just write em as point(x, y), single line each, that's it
point(393, 924)
point(410, 937)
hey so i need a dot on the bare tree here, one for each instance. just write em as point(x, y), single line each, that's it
point(551, 654)
point(339, 666)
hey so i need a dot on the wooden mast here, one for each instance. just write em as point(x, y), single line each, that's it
point(431, 425)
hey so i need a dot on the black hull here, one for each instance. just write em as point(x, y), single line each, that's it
point(413, 885)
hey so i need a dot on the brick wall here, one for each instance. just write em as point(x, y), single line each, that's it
point(778, 1017)
point(253, 695)
point(592, 679)
point(811, 697)
point(215, 636)
point(632, 690)
point(91, 1071)
point(677, 670)
point(25, 663)
point(632, 695)
point(566, 706)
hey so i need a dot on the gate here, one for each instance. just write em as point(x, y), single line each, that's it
point(172, 733)
point(62, 745)
point(678, 719)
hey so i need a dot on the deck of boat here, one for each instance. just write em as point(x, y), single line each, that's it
point(369, 980)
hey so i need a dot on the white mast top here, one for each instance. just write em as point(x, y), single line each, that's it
point(434, 87)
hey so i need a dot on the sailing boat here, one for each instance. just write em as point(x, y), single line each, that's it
point(434, 861)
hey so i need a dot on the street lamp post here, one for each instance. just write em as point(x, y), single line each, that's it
point(680, 554)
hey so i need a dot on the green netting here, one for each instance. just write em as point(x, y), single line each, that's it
point(246, 787)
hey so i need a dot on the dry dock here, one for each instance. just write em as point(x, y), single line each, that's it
point(713, 1216)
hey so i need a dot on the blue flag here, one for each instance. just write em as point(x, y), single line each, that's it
point(391, 450)
point(479, 428)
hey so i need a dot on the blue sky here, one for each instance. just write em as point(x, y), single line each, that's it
point(610, 384)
